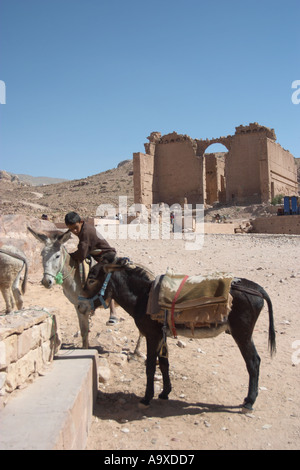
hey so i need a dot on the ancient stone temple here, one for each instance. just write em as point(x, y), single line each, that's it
point(175, 168)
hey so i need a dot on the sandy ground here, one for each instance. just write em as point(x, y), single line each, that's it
point(209, 377)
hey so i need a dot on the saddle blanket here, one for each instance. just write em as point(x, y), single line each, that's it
point(196, 301)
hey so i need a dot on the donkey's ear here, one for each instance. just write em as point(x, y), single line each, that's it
point(64, 237)
point(41, 237)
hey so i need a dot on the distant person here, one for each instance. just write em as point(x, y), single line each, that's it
point(172, 219)
point(90, 244)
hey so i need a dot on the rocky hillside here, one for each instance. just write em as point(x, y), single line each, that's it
point(28, 179)
point(37, 180)
point(55, 200)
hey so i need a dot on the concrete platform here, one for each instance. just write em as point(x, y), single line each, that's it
point(55, 411)
point(210, 228)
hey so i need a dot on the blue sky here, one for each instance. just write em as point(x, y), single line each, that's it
point(88, 80)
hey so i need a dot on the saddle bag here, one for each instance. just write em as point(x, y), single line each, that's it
point(190, 301)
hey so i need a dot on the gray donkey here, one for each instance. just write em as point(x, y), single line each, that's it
point(59, 267)
point(12, 262)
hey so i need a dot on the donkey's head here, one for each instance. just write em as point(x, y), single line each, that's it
point(116, 278)
point(97, 291)
point(51, 254)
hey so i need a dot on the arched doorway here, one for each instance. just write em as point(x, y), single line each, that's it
point(215, 174)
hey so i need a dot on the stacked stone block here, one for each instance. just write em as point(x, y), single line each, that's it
point(28, 341)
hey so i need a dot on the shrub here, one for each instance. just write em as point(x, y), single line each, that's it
point(277, 199)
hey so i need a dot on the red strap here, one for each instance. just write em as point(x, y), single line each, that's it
point(173, 305)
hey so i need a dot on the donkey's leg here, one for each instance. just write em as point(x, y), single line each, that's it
point(84, 328)
point(8, 298)
point(16, 291)
point(152, 346)
point(18, 298)
point(167, 387)
point(242, 319)
point(252, 361)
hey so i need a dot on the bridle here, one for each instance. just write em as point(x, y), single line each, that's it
point(99, 295)
point(59, 277)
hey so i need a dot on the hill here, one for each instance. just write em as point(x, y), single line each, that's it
point(37, 180)
point(55, 200)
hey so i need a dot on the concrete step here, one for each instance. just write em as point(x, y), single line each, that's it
point(55, 411)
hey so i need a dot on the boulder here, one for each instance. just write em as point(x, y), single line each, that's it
point(13, 231)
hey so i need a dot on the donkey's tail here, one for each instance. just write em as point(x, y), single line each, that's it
point(272, 334)
point(24, 283)
point(260, 292)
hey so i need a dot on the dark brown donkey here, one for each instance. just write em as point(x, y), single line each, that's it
point(130, 288)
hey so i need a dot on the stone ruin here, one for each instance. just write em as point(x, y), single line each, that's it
point(176, 169)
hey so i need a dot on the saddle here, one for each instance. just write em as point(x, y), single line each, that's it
point(190, 301)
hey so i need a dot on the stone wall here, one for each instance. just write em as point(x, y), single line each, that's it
point(143, 170)
point(176, 166)
point(284, 224)
point(213, 228)
point(28, 341)
point(283, 170)
point(243, 169)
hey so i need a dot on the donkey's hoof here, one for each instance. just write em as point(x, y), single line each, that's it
point(162, 396)
point(246, 408)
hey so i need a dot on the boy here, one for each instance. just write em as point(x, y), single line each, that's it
point(90, 245)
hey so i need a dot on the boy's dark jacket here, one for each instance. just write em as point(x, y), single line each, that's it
point(89, 241)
